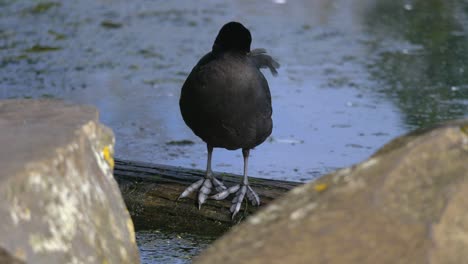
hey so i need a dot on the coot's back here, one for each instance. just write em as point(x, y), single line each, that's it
point(226, 100)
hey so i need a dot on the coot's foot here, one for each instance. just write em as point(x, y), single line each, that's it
point(205, 185)
point(240, 191)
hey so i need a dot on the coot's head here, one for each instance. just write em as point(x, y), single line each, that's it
point(233, 37)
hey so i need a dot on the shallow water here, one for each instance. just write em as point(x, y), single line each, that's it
point(160, 247)
point(354, 74)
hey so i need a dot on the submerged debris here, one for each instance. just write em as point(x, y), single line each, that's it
point(40, 48)
point(110, 24)
point(43, 7)
point(57, 35)
point(184, 142)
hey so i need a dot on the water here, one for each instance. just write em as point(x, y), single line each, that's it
point(160, 247)
point(354, 74)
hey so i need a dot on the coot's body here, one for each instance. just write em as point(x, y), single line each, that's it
point(226, 102)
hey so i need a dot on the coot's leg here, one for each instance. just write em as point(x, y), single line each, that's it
point(240, 190)
point(206, 184)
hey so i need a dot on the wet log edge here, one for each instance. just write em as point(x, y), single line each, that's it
point(150, 192)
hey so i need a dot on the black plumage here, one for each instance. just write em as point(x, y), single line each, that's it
point(226, 100)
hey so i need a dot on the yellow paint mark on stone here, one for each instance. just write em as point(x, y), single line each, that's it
point(108, 156)
point(320, 187)
point(131, 230)
point(464, 129)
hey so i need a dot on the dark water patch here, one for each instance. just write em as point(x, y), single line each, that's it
point(379, 134)
point(351, 145)
point(56, 35)
point(41, 48)
point(134, 67)
point(48, 96)
point(43, 7)
point(182, 73)
point(154, 82)
point(16, 59)
point(149, 53)
point(183, 142)
point(341, 126)
point(110, 24)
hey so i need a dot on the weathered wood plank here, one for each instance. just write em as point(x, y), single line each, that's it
point(151, 190)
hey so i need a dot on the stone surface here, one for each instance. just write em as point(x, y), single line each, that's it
point(59, 202)
point(7, 258)
point(406, 204)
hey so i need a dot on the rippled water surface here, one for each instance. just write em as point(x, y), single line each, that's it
point(160, 247)
point(354, 74)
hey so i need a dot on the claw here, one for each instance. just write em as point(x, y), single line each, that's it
point(205, 185)
point(218, 185)
point(226, 192)
point(241, 192)
point(194, 186)
point(237, 201)
point(253, 196)
point(204, 192)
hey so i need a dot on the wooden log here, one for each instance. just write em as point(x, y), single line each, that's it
point(150, 192)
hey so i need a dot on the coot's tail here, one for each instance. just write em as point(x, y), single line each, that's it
point(262, 60)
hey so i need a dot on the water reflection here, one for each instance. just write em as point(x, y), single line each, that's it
point(425, 73)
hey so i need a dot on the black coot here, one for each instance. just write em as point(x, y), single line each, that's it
point(226, 102)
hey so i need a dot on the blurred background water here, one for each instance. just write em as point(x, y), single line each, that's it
point(355, 73)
